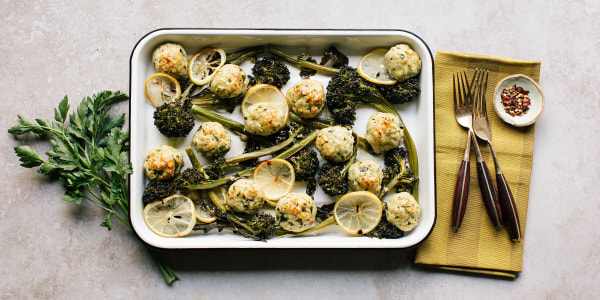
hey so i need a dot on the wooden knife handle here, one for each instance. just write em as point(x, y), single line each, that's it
point(510, 216)
point(489, 195)
point(461, 194)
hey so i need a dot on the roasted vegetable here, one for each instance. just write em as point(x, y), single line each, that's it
point(174, 119)
point(271, 70)
point(401, 92)
point(397, 174)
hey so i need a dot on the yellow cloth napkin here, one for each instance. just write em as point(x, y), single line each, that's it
point(477, 247)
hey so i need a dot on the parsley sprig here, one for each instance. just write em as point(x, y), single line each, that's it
point(90, 156)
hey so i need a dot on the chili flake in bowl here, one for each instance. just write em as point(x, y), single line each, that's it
point(518, 100)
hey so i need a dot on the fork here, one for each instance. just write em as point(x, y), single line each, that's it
point(463, 113)
point(463, 108)
point(510, 216)
point(486, 185)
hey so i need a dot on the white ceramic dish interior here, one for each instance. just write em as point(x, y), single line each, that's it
point(536, 96)
point(417, 115)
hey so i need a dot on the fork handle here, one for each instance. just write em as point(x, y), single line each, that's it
point(461, 194)
point(510, 216)
point(488, 193)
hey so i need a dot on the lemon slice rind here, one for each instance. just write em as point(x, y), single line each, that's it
point(371, 67)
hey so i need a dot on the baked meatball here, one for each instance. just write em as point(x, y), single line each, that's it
point(306, 98)
point(402, 62)
point(264, 119)
point(230, 81)
point(335, 143)
point(384, 131)
point(171, 59)
point(296, 212)
point(245, 196)
point(212, 140)
point(403, 211)
point(163, 163)
point(365, 175)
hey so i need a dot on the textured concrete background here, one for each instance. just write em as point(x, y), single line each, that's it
point(53, 249)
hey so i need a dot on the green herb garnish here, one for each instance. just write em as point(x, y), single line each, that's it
point(90, 156)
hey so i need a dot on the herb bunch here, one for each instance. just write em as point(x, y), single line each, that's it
point(90, 156)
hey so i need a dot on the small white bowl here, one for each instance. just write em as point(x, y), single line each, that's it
point(536, 96)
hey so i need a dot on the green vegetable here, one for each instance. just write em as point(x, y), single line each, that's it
point(89, 155)
point(271, 70)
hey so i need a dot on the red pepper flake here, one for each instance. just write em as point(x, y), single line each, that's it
point(515, 100)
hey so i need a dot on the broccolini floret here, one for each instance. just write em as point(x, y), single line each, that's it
point(397, 174)
point(271, 70)
point(347, 90)
point(174, 119)
point(401, 92)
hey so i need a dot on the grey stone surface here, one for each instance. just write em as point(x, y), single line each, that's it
point(50, 249)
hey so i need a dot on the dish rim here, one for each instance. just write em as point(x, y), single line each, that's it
point(258, 32)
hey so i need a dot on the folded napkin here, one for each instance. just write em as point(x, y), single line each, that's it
point(477, 247)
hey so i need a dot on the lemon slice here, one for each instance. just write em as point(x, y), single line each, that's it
point(162, 88)
point(276, 178)
point(371, 67)
point(202, 214)
point(358, 212)
point(204, 65)
point(174, 216)
point(265, 93)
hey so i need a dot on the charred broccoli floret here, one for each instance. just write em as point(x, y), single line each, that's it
point(347, 90)
point(306, 164)
point(157, 190)
point(271, 70)
point(174, 119)
point(333, 179)
point(397, 173)
point(187, 177)
point(401, 92)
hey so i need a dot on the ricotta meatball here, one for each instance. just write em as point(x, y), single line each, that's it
point(245, 196)
point(402, 62)
point(163, 163)
point(171, 59)
point(365, 175)
point(212, 140)
point(296, 212)
point(403, 211)
point(384, 131)
point(306, 98)
point(229, 81)
point(335, 143)
point(264, 119)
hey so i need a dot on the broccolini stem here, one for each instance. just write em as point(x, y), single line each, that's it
point(238, 57)
point(187, 91)
point(315, 123)
point(325, 223)
point(229, 123)
point(298, 146)
point(302, 63)
point(262, 152)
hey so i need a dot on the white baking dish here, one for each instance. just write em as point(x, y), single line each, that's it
point(417, 115)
